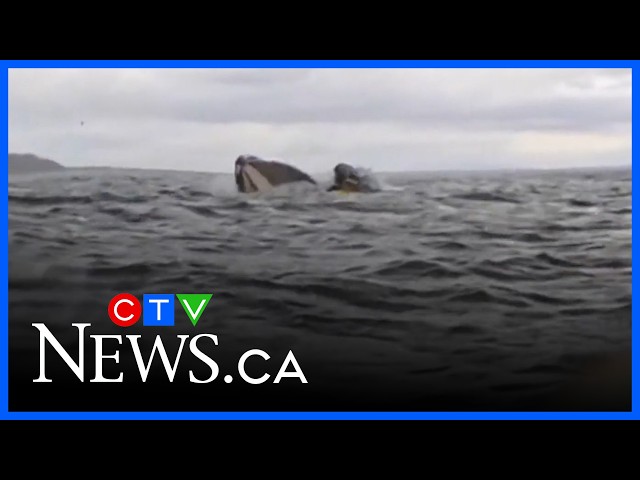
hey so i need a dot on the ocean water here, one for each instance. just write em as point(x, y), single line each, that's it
point(447, 291)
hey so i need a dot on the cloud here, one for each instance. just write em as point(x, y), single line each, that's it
point(388, 119)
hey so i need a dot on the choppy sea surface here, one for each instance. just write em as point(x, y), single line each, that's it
point(500, 286)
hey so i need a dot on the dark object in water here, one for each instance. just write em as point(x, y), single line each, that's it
point(254, 174)
point(348, 179)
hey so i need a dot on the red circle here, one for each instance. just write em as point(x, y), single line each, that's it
point(124, 309)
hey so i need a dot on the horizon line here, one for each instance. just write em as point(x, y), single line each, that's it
point(461, 170)
point(328, 171)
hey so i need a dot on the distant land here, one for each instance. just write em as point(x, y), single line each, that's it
point(30, 163)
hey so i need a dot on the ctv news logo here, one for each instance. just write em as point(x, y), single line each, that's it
point(156, 310)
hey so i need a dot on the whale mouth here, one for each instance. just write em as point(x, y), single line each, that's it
point(253, 174)
point(250, 179)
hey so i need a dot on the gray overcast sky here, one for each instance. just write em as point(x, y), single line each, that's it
point(386, 119)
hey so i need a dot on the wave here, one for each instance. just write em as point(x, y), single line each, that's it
point(439, 276)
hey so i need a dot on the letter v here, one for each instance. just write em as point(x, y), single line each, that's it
point(188, 299)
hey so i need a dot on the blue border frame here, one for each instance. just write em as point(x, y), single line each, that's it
point(4, 324)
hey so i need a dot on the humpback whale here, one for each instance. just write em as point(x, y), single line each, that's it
point(254, 174)
point(349, 179)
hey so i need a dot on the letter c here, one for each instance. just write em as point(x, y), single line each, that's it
point(243, 359)
point(115, 309)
